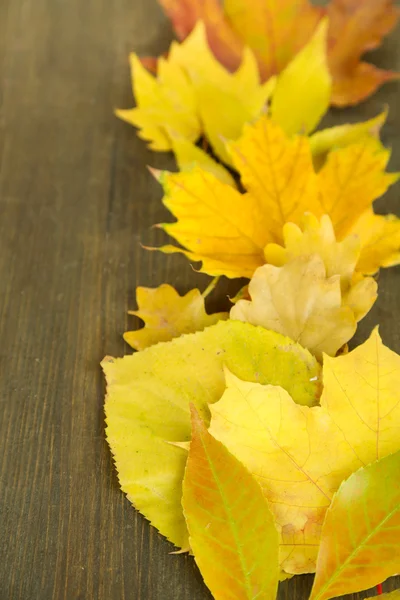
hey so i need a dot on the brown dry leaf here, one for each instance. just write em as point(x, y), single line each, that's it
point(168, 315)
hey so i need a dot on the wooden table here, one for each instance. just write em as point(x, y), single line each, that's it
point(76, 201)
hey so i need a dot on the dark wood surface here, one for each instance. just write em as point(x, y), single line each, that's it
point(76, 200)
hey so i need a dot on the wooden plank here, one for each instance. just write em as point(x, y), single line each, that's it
point(76, 201)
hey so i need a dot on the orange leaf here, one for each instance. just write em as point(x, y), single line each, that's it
point(231, 528)
point(223, 41)
point(357, 26)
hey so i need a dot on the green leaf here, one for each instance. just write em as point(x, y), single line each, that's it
point(147, 404)
point(360, 536)
point(232, 531)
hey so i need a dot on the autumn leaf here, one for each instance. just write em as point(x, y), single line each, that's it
point(380, 241)
point(357, 26)
point(307, 78)
point(301, 301)
point(360, 536)
point(166, 104)
point(312, 450)
point(147, 404)
point(276, 31)
point(340, 136)
point(231, 528)
point(168, 315)
point(389, 596)
point(228, 231)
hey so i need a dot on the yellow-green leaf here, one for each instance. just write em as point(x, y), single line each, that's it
point(231, 528)
point(303, 90)
point(147, 405)
point(168, 315)
point(360, 536)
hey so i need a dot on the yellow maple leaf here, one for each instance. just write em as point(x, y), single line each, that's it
point(299, 300)
point(166, 104)
point(228, 231)
point(188, 156)
point(300, 455)
point(380, 241)
point(167, 315)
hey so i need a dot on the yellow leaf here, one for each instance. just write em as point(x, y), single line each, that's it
point(147, 404)
point(380, 241)
point(360, 535)
point(339, 258)
point(351, 179)
point(189, 156)
point(166, 104)
point(300, 455)
point(275, 30)
point(222, 227)
point(362, 396)
point(228, 231)
point(296, 453)
point(395, 595)
point(300, 301)
point(226, 100)
point(168, 315)
point(231, 528)
point(306, 79)
point(341, 136)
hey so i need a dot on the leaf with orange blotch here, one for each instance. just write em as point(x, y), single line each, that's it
point(167, 315)
point(299, 300)
point(360, 536)
point(228, 231)
point(300, 455)
point(185, 14)
point(357, 26)
point(231, 529)
point(380, 241)
point(275, 30)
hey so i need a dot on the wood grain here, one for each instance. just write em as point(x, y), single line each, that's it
point(75, 202)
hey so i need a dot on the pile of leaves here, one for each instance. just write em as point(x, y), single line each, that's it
point(254, 439)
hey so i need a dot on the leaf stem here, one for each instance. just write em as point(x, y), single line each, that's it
point(379, 590)
point(213, 283)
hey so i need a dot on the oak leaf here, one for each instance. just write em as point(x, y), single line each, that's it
point(231, 529)
point(300, 455)
point(228, 231)
point(167, 315)
point(277, 30)
point(360, 536)
point(147, 405)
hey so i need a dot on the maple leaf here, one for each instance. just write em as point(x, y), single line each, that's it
point(301, 301)
point(356, 27)
point(380, 241)
point(193, 94)
point(232, 531)
point(300, 455)
point(228, 231)
point(147, 403)
point(166, 105)
point(277, 30)
point(168, 315)
point(360, 535)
